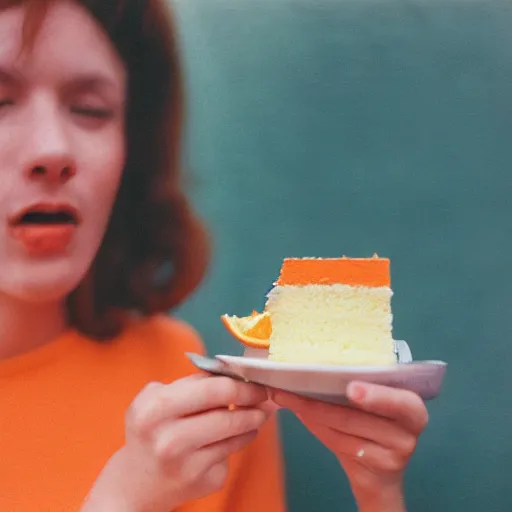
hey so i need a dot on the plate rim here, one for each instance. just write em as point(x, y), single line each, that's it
point(431, 371)
point(265, 364)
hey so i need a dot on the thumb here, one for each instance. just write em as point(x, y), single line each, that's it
point(270, 406)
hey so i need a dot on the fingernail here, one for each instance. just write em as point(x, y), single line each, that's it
point(280, 399)
point(356, 392)
point(276, 395)
point(270, 407)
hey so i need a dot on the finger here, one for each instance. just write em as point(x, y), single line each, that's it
point(213, 392)
point(351, 421)
point(269, 407)
point(220, 451)
point(189, 396)
point(300, 405)
point(403, 406)
point(366, 453)
point(215, 478)
point(189, 434)
point(210, 457)
point(361, 424)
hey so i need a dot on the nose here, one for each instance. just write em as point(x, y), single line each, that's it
point(48, 147)
point(55, 170)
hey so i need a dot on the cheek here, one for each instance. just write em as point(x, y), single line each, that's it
point(98, 185)
point(106, 166)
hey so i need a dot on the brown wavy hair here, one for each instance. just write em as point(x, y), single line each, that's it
point(155, 251)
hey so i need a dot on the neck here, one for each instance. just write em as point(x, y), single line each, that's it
point(26, 326)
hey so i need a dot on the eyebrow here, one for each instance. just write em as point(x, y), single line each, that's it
point(93, 82)
point(81, 82)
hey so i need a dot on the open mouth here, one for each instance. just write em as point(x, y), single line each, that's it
point(35, 217)
point(45, 229)
point(44, 215)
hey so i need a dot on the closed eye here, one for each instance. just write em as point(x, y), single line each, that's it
point(97, 113)
point(6, 103)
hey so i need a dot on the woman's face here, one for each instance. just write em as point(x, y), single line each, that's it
point(62, 149)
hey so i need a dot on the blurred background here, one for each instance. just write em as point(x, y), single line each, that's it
point(330, 127)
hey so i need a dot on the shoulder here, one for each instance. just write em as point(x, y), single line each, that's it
point(165, 330)
point(159, 344)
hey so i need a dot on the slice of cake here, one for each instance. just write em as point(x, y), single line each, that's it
point(332, 311)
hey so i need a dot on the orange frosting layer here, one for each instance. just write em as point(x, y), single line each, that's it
point(371, 272)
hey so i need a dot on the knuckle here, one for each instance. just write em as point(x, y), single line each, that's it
point(393, 463)
point(163, 448)
point(228, 390)
point(222, 389)
point(191, 472)
point(239, 422)
point(413, 399)
point(253, 420)
point(229, 421)
point(150, 387)
point(136, 419)
point(424, 419)
point(407, 445)
point(170, 460)
point(138, 414)
point(418, 415)
point(217, 477)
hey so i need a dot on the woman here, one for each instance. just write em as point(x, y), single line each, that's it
point(100, 408)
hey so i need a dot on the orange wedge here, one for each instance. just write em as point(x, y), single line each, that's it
point(253, 331)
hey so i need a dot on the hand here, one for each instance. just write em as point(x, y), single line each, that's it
point(178, 439)
point(373, 438)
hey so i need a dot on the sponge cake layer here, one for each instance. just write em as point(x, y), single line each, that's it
point(331, 324)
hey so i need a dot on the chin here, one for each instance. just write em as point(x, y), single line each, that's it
point(43, 284)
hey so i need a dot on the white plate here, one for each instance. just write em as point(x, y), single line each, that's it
point(327, 383)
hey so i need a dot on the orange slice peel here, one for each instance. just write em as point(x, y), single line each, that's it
point(253, 330)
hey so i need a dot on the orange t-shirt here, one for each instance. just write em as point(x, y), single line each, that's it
point(62, 417)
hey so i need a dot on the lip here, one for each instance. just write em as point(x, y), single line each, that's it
point(44, 239)
point(45, 207)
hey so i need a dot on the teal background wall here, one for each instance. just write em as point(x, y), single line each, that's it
point(329, 127)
